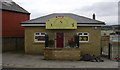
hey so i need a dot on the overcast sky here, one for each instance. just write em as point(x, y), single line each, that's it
point(105, 10)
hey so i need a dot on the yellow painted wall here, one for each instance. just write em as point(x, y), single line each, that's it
point(91, 47)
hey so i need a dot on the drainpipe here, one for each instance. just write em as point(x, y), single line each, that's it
point(46, 40)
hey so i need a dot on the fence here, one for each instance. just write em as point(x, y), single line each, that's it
point(105, 45)
point(115, 42)
point(111, 46)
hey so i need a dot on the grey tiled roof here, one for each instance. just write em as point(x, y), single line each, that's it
point(12, 6)
point(79, 19)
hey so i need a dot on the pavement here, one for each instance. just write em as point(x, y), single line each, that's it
point(10, 60)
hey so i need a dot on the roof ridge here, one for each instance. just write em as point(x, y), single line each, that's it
point(20, 7)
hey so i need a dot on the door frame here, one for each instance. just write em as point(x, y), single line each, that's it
point(56, 38)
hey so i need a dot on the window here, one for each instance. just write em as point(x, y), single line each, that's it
point(83, 36)
point(39, 37)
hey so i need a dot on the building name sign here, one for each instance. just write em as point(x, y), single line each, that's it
point(61, 22)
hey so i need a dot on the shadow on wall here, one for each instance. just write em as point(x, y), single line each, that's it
point(12, 43)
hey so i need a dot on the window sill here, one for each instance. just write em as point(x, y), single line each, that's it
point(84, 42)
point(39, 42)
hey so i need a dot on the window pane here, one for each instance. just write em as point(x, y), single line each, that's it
point(40, 38)
point(36, 37)
point(85, 33)
point(80, 34)
point(37, 33)
point(83, 38)
point(42, 33)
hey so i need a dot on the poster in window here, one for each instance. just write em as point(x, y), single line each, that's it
point(83, 38)
point(40, 38)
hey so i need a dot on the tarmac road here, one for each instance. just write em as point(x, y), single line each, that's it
point(36, 61)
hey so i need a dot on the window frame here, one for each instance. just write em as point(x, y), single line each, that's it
point(38, 35)
point(83, 35)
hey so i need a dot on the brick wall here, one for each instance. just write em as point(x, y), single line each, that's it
point(91, 47)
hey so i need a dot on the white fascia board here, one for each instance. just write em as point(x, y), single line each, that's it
point(89, 25)
point(77, 25)
point(32, 24)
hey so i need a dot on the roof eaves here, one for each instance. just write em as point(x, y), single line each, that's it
point(15, 11)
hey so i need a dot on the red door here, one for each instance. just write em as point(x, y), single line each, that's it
point(59, 40)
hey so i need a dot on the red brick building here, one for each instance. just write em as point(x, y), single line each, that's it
point(12, 16)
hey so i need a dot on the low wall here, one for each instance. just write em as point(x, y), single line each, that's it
point(62, 54)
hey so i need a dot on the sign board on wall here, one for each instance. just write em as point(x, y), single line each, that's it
point(61, 22)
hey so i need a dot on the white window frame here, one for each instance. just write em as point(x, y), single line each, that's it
point(38, 35)
point(84, 35)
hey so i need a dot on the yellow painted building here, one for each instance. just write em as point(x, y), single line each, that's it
point(63, 30)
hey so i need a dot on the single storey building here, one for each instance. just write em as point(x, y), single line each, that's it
point(63, 30)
